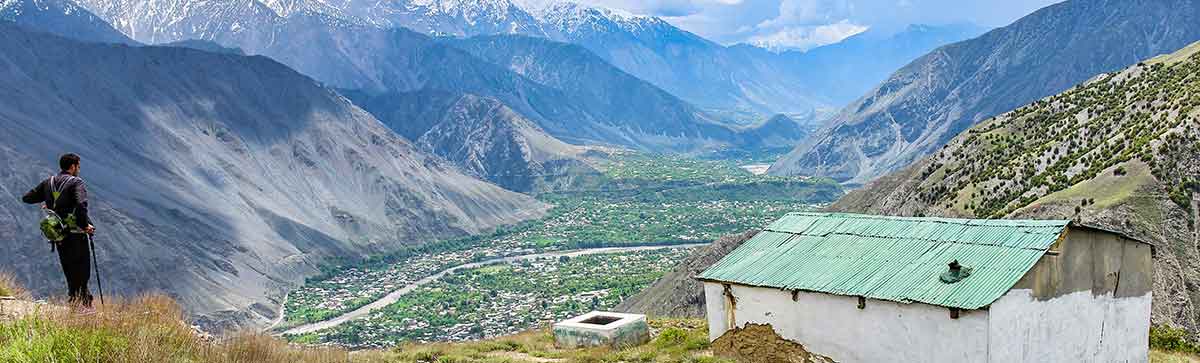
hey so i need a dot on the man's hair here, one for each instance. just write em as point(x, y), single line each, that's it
point(68, 160)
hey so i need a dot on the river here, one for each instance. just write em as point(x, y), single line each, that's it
point(397, 294)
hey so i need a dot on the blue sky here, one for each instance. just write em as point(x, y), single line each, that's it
point(807, 23)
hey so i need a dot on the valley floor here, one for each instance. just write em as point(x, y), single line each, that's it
point(500, 298)
point(640, 200)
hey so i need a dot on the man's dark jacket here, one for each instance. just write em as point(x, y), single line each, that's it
point(72, 199)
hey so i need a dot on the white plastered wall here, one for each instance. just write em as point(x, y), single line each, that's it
point(1077, 327)
point(833, 326)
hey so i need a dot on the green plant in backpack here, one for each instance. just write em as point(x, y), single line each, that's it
point(54, 227)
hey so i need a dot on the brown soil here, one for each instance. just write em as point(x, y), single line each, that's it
point(758, 343)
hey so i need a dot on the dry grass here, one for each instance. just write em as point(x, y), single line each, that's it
point(676, 341)
point(152, 329)
point(10, 287)
point(1162, 356)
point(144, 329)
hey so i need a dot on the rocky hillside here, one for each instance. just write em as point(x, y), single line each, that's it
point(219, 179)
point(677, 294)
point(1121, 151)
point(481, 135)
point(934, 98)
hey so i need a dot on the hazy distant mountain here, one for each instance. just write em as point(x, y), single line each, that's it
point(846, 70)
point(773, 133)
point(481, 135)
point(61, 17)
point(220, 179)
point(937, 96)
point(693, 68)
point(1121, 151)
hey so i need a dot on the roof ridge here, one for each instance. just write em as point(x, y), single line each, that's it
point(947, 220)
point(827, 234)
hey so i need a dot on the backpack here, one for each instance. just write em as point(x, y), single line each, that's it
point(54, 227)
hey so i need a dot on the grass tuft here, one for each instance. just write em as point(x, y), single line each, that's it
point(10, 287)
point(1169, 339)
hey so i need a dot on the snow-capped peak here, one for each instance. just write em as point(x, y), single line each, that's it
point(469, 9)
point(570, 17)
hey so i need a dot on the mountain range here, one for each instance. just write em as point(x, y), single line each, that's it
point(220, 179)
point(738, 82)
point(357, 56)
point(929, 101)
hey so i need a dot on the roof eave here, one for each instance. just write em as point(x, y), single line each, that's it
point(702, 279)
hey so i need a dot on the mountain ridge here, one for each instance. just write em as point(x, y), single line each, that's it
point(481, 135)
point(950, 89)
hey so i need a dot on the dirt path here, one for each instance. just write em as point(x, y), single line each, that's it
point(397, 294)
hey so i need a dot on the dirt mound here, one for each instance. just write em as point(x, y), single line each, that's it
point(761, 344)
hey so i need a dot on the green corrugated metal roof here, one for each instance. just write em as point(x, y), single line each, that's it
point(890, 258)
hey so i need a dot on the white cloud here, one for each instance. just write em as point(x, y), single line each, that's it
point(799, 22)
point(807, 37)
point(792, 12)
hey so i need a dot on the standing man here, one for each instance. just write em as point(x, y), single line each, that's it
point(66, 194)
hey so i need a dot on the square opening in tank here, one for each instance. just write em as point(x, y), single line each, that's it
point(600, 320)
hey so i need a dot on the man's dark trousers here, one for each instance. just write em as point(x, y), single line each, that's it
point(73, 253)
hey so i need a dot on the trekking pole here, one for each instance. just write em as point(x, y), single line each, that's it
point(96, 264)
